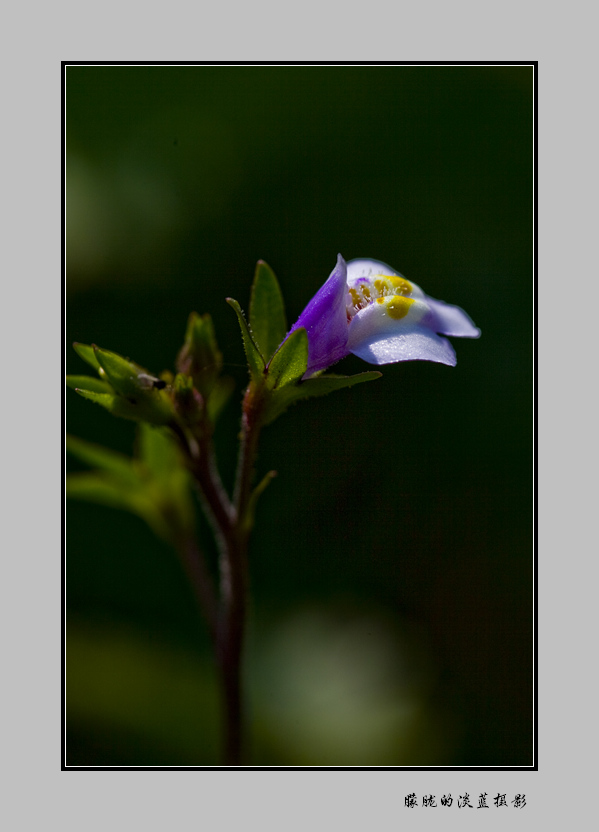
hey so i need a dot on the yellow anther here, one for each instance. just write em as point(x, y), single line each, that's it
point(355, 297)
point(401, 285)
point(389, 289)
point(386, 285)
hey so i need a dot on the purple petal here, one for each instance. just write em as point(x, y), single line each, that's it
point(325, 321)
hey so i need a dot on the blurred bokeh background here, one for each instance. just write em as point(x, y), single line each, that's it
point(391, 565)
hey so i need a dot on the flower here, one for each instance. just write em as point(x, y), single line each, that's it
point(368, 309)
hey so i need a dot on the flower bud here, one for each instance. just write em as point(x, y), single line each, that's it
point(200, 357)
point(187, 400)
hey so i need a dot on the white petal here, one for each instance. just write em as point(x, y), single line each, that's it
point(364, 268)
point(450, 320)
point(379, 337)
point(374, 321)
point(385, 331)
point(413, 343)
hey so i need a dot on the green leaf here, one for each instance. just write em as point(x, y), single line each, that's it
point(138, 395)
point(254, 357)
point(158, 450)
point(329, 383)
point(169, 481)
point(156, 487)
point(136, 411)
point(267, 310)
point(86, 352)
point(280, 399)
point(175, 500)
point(290, 361)
point(107, 400)
point(99, 487)
point(104, 458)
point(120, 372)
point(219, 396)
point(95, 385)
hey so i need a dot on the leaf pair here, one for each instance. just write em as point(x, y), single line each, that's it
point(123, 387)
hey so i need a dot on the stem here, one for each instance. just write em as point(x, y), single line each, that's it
point(229, 645)
point(233, 590)
point(234, 585)
point(232, 534)
point(250, 432)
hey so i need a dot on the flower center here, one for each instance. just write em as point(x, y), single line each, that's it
point(366, 290)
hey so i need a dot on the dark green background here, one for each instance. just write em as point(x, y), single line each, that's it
point(392, 562)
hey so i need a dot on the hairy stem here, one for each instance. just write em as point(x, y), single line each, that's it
point(250, 432)
point(231, 531)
